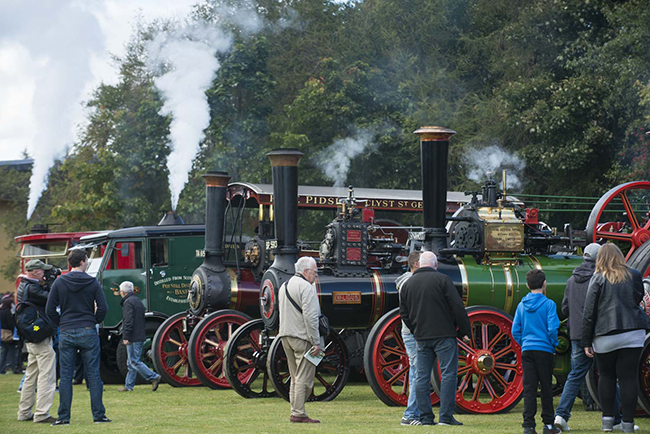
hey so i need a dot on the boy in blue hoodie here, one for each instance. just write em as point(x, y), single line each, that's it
point(535, 329)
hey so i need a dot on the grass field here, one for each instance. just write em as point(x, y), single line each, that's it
point(203, 410)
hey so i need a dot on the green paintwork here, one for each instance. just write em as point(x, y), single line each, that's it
point(487, 286)
point(168, 284)
point(503, 286)
point(163, 287)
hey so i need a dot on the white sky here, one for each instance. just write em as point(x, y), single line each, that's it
point(23, 59)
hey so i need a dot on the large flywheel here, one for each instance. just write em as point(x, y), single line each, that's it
point(622, 216)
point(207, 346)
point(170, 352)
point(331, 373)
point(386, 363)
point(490, 374)
point(246, 355)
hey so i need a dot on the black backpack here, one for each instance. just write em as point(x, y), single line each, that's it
point(32, 323)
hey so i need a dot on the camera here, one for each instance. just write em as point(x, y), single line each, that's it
point(50, 276)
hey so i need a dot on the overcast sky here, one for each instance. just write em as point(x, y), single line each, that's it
point(34, 35)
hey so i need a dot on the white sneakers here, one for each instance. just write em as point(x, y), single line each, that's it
point(561, 424)
point(619, 427)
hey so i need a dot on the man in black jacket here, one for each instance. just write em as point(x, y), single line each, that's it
point(432, 309)
point(83, 306)
point(40, 374)
point(133, 336)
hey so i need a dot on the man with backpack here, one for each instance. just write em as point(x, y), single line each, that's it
point(40, 374)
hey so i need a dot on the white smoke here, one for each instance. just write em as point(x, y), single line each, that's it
point(335, 160)
point(493, 159)
point(52, 54)
point(57, 40)
point(188, 57)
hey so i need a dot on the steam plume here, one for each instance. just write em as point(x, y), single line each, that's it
point(335, 160)
point(58, 41)
point(491, 159)
point(188, 58)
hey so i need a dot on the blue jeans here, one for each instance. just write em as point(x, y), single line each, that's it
point(580, 366)
point(446, 351)
point(86, 341)
point(411, 411)
point(135, 365)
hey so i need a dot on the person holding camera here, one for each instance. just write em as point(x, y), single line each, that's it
point(40, 374)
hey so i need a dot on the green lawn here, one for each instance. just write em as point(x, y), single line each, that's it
point(203, 410)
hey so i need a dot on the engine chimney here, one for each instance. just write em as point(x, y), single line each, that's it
point(171, 218)
point(284, 163)
point(434, 151)
point(210, 286)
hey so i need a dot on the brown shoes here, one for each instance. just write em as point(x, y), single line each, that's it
point(124, 389)
point(302, 419)
point(48, 419)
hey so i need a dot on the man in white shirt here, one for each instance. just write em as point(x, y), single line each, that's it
point(299, 333)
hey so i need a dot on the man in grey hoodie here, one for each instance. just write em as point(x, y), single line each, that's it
point(573, 305)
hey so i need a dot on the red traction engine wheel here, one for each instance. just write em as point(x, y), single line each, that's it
point(170, 352)
point(386, 363)
point(628, 205)
point(207, 346)
point(490, 374)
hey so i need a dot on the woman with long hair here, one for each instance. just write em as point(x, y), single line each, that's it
point(613, 329)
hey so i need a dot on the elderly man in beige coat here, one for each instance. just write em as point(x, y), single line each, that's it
point(299, 333)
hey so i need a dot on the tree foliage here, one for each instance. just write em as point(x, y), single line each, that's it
point(564, 84)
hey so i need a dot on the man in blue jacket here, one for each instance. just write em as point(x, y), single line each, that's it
point(535, 329)
point(83, 305)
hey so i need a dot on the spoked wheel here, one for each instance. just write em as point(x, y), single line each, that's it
point(246, 354)
point(490, 374)
point(207, 346)
point(331, 373)
point(622, 216)
point(170, 358)
point(386, 363)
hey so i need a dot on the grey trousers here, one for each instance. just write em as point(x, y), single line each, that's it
point(302, 374)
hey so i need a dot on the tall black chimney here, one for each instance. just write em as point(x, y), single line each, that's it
point(284, 165)
point(434, 150)
point(210, 286)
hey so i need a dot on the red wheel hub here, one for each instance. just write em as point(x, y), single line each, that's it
point(182, 350)
point(482, 361)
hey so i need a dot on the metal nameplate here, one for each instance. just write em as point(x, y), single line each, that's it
point(347, 297)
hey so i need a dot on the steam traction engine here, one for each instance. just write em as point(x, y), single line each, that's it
point(487, 248)
point(356, 288)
